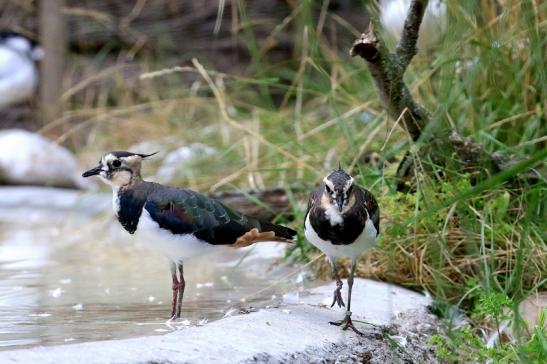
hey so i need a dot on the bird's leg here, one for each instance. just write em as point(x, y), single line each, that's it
point(173, 267)
point(346, 321)
point(349, 323)
point(182, 285)
point(337, 295)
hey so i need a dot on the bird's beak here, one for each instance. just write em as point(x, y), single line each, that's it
point(92, 172)
point(340, 201)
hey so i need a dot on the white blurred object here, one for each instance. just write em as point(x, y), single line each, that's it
point(393, 14)
point(30, 159)
point(466, 65)
point(291, 298)
point(159, 145)
point(57, 292)
point(78, 307)
point(176, 163)
point(18, 71)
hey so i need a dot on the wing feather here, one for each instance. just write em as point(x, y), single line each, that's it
point(186, 212)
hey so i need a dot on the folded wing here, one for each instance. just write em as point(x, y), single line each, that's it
point(186, 212)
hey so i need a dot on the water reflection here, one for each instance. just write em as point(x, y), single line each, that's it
point(67, 277)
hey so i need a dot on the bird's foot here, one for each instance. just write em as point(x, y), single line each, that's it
point(174, 314)
point(337, 295)
point(346, 323)
point(173, 317)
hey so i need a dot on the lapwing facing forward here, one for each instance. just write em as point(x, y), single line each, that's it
point(343, 220)
point(18, 70)
point(177, 222)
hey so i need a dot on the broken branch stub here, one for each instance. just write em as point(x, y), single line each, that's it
point(366, 46)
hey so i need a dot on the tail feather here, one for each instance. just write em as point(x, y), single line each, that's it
point(279, 230)
point(268, 232)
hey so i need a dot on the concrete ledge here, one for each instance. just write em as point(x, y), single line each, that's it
point(291, 333)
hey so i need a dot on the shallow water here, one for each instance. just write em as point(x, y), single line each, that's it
point(68, 274)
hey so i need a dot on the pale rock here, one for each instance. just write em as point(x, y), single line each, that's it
point(531, 308)
point(30, 159)
point(177, 163)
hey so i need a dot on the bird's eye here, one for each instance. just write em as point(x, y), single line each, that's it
point(327, 188)
point(116, 163)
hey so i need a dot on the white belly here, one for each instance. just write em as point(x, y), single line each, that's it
point(175, 247)
point(365, 241)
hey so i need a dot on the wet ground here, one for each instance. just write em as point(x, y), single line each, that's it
point(68, 273)
point(396, 325)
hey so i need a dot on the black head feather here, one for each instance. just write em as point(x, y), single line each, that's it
point(339, 179)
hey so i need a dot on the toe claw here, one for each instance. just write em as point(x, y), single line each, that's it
point(337, 296)
point(334, 299)
point(340, 300)
point(347, 324)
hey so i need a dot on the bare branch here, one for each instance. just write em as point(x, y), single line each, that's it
point(407, 45)
point(388, 78)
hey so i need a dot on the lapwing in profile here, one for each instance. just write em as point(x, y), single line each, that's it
point(177, 222)
point(343, 220)
point(18, 70)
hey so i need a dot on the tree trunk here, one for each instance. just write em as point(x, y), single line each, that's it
point(53, 40)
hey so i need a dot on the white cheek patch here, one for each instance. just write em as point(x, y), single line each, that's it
point(102, 176)
point(117, 177)
point(121, 178)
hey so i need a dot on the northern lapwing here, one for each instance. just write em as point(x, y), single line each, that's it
point(177, 222)
point(343, 220)
point(18, 70)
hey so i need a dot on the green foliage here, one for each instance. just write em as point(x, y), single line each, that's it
point(535, 349)
point(460, 346)
point(464, 345)
point(492, 304)
point(467, 343)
